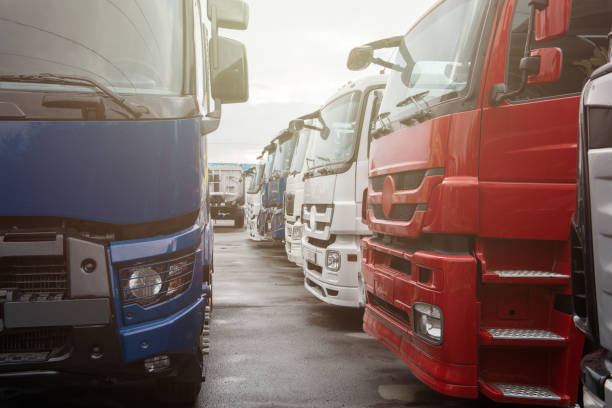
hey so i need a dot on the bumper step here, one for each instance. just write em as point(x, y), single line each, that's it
point(520, 337)
point(526, 392)
point(525, 277)
point(522, 394)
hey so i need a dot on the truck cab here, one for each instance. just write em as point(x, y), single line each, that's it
point(471, 191)
point(105, 236)
point(264, 224)
point(294, 195)
point(253, 199)
point(591, 273)
point(226, 187)
point(333, 193)
point(274, 226)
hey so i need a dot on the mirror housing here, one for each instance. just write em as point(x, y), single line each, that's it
point(552, 21)
point(549, 71)
point(230, 14)
point(229, 77)
point(360, 58)
point(296, 125)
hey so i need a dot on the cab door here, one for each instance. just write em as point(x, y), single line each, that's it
point(528, 143)
point(370, 111)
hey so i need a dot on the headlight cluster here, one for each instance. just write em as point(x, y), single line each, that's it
point(153, 283)
point(332, 260)
point(427, 322)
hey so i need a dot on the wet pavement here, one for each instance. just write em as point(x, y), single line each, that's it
point(274, 345)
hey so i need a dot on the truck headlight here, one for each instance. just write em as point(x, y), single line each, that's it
point(332, 260)
point(427, 322)
point(156, 282)
point(143, 282)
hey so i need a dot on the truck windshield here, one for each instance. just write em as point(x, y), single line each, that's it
point(435, 57)
point(269, 160)
point(340, 117)
point(282, 161)
point(300, 151)
point(129, 46)
point(255, 180)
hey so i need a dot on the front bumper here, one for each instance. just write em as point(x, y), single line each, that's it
point(114, 345)
point(597, 379)
point(337, 288)
point(395, 281)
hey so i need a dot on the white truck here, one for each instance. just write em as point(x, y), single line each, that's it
point(253, 200)
point(226, 187)
point(294, 196)
point(335, 182)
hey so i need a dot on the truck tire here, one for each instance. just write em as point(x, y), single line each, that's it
point(239, 222)
point(185, 387)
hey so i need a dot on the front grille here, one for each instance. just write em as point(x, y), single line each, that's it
point(33, 340)
point(399, 212)
point(407, 180)
point(34, 274)
point(396, 313)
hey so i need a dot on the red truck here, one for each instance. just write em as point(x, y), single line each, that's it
point(471, 189)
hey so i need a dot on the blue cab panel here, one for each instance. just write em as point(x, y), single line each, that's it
point(121, 172)
point(171, 326)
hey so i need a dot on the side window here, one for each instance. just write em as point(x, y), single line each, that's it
point(584, 48)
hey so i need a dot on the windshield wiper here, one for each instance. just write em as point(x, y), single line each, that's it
point(135, 111)
point(412, 99)
point(323, 158)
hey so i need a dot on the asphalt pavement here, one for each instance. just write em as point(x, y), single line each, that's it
point(274, 345)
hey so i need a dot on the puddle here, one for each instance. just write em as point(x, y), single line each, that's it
point(407, 393)
point(360, 335)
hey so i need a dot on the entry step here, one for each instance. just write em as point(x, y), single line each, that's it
point(520, 337)
point(525, 277)
point(522, 393)
point(526, 392)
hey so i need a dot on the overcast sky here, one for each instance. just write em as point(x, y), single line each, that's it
point(297, 51)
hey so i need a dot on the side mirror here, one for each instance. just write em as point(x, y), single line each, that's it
point(296, 125)
point(229, 78)
point(550, 61)
point(231, 14)
point(553, 20)
point(360, 58)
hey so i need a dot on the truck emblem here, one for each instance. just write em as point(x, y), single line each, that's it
point(387, 195)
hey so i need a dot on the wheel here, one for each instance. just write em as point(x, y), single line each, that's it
point(239, 222)
point(185, 387)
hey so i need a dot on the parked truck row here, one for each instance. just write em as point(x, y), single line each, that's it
point(439, 198)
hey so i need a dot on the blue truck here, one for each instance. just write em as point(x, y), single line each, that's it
point(272, 211)
point(105, 233)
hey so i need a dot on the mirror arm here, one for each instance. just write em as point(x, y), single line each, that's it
point(386, 64)
point(499, 93)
